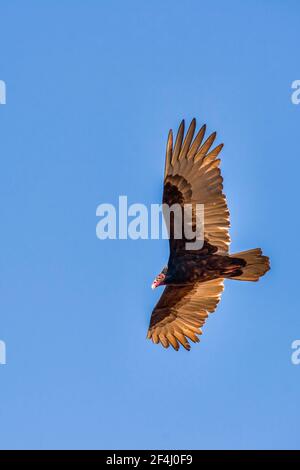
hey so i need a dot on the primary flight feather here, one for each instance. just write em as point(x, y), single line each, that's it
point(194, 278)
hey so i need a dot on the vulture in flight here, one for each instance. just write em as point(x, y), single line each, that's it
point(194, 278)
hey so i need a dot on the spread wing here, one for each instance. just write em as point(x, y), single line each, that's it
point(192, 176)
point(181, 312)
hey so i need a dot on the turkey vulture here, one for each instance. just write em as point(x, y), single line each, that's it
point(194, 279)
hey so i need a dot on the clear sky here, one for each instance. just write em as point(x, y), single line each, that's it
point(92, 90)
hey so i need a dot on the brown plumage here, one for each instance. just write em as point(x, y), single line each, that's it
point(194, 279)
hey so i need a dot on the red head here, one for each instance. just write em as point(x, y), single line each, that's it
point(158, 281)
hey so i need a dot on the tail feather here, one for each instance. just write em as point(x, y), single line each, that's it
point(256, 265)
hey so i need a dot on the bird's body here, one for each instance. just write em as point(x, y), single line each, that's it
point(201, 267)
point(194, 276)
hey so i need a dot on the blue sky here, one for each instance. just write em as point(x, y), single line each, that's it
point(92, 90)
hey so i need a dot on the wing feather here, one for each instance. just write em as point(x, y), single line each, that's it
point(193, 169)
point(178, 142)
point(205, 147)
point(197, 142)
point(181, 312)
point(188, 140)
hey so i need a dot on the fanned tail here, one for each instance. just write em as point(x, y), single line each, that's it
point(256, 265)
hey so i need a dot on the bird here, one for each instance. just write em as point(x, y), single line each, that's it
point(193, 279)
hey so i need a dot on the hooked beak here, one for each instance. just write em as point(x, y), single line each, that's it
point(158, 281)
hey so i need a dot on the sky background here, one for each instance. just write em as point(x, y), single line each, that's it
point(92, 90)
